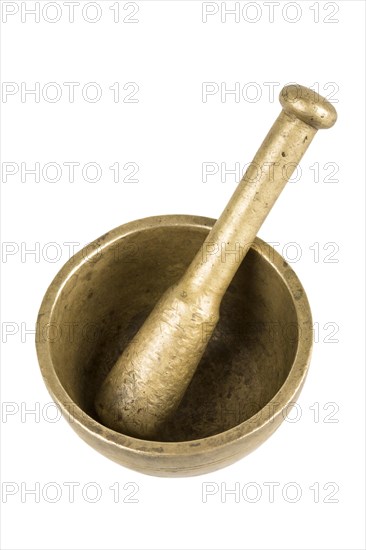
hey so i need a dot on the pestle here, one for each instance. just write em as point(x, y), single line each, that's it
point(148, 381)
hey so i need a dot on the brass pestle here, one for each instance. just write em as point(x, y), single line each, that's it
point(148, 381)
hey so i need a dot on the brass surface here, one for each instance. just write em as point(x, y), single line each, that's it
point(149, 380)
point(253, 368)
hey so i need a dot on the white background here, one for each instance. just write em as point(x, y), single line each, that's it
point(169, 132)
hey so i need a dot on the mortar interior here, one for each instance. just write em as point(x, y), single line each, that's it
point(105, 301)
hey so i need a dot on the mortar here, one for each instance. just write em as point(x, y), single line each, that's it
point(252, 370)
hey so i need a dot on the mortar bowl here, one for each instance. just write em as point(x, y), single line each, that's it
point(252, 371)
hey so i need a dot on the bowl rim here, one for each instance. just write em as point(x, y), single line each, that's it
point(269, 413)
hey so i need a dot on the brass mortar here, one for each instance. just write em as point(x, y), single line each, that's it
point(252, 370)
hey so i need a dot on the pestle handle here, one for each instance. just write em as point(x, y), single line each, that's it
point(304, 112)
point(149, 379)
